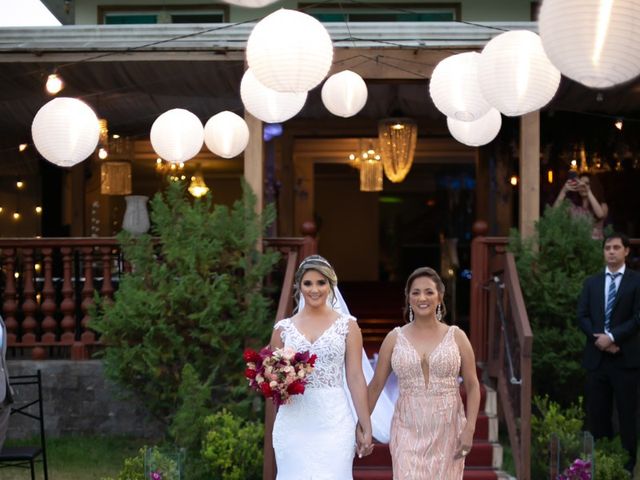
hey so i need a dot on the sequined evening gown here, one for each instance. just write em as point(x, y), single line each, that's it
point(428, 419)
point(314, 435)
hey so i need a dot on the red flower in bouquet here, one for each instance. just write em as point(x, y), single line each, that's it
point(279, 373)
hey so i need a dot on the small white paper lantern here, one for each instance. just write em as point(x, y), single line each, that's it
point(455, 90)
point(251, 3)
point(289, 51)
point(226, 134)
point(65, 131)
point(476, 133)
point(177, 135)
point(267, 104)
point(344, 93)
point(593, 42)
point(515, 75)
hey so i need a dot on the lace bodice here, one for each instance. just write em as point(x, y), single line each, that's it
point(330, 348)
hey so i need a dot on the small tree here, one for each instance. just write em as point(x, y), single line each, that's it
point(192, 300)
point(552, 266)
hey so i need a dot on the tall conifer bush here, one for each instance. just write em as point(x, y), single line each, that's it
point(179, 321)
point(552, 266)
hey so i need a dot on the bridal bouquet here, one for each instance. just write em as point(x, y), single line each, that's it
point(278, 374)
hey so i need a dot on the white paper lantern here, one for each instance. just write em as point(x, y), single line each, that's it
point(177, 135)
point(289, 51)
point(251, 3)
point(515, 75)
point(267, 104)
point(344, 94)
point(476, 133)
point(65, 131)
point(593, 42)
point(455, 90)
point(226, 134)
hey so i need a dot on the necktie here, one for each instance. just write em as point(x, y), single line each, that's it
point(611, 297)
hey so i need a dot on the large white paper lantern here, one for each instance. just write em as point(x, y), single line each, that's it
point(515, 75)
point(226, 134)
point(177, 135)
point(344, 93)
point(476, 133)
point(251, 3)
point(455, 90)
point(289, 51)
point(267, 104)
point(65, 131)
point(594, 42)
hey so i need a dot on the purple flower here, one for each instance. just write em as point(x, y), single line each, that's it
point(579, 470)
point(155, 475)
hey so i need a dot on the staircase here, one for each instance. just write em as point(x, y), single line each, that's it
point(378, 308)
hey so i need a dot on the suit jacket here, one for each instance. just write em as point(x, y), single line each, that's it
point(625, 319)
point(5, 389)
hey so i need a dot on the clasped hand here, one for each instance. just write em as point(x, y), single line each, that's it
point(604, 343)
point(364, 442)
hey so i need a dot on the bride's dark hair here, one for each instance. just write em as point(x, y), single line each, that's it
point(320, 265)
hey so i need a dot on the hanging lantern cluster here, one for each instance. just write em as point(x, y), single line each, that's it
point(397, 138)
point(512, 76)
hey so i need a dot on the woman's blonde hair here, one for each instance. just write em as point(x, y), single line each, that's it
point(429, 273)
point(320, 265)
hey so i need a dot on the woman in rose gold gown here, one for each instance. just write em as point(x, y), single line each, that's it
point(430, 433)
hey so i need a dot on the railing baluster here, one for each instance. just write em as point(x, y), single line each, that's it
point(87, 337)
point(48, 306)
point(30, 306)
point(107, 285)
point(10, 306)
point(67, 306)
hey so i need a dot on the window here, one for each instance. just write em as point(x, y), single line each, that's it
point(384, 12)
point(136, 15)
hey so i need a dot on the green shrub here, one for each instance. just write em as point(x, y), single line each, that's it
point(194, 297)
point(133, 468)
point(610, 460)
point(552, 266)
point(232, 448)
point(551, 419)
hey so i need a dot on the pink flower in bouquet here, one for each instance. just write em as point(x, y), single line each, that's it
point(278, 374)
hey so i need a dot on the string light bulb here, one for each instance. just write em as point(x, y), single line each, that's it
point(19, 184)
point(619, 124)
point(514, 180)
point(38, 209)
point(16, 216)
point(22, 147)
point(54, 84)
point(102, 153)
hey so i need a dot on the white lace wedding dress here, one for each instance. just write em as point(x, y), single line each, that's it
point(314, 435)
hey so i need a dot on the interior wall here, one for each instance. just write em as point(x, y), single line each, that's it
point(348, 227)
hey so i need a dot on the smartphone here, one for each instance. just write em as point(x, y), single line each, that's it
point(572, 176)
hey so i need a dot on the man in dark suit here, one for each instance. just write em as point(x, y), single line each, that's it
point(609, 315)
point(5, 389)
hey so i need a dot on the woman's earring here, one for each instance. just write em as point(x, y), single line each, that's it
point(410, 314)
point(439, 312)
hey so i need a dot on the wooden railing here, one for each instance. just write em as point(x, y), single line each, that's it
point(502, 339)
point(48, 285)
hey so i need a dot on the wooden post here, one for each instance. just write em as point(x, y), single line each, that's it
point(529, 172)
point(254, 159)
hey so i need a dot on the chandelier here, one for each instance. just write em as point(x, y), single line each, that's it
point(398, 137)
point(369, 162)
point(115, 169)
point(198, 187)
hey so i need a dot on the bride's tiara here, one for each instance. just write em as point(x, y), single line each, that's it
point(314, 259)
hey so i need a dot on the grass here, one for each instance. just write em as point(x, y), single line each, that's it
point(79, 458)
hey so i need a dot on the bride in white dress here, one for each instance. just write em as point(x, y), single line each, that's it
point(314, 434)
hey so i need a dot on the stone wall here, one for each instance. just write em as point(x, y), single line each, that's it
point(79, 400)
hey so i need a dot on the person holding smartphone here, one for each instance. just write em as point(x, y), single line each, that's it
point(586, 199)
